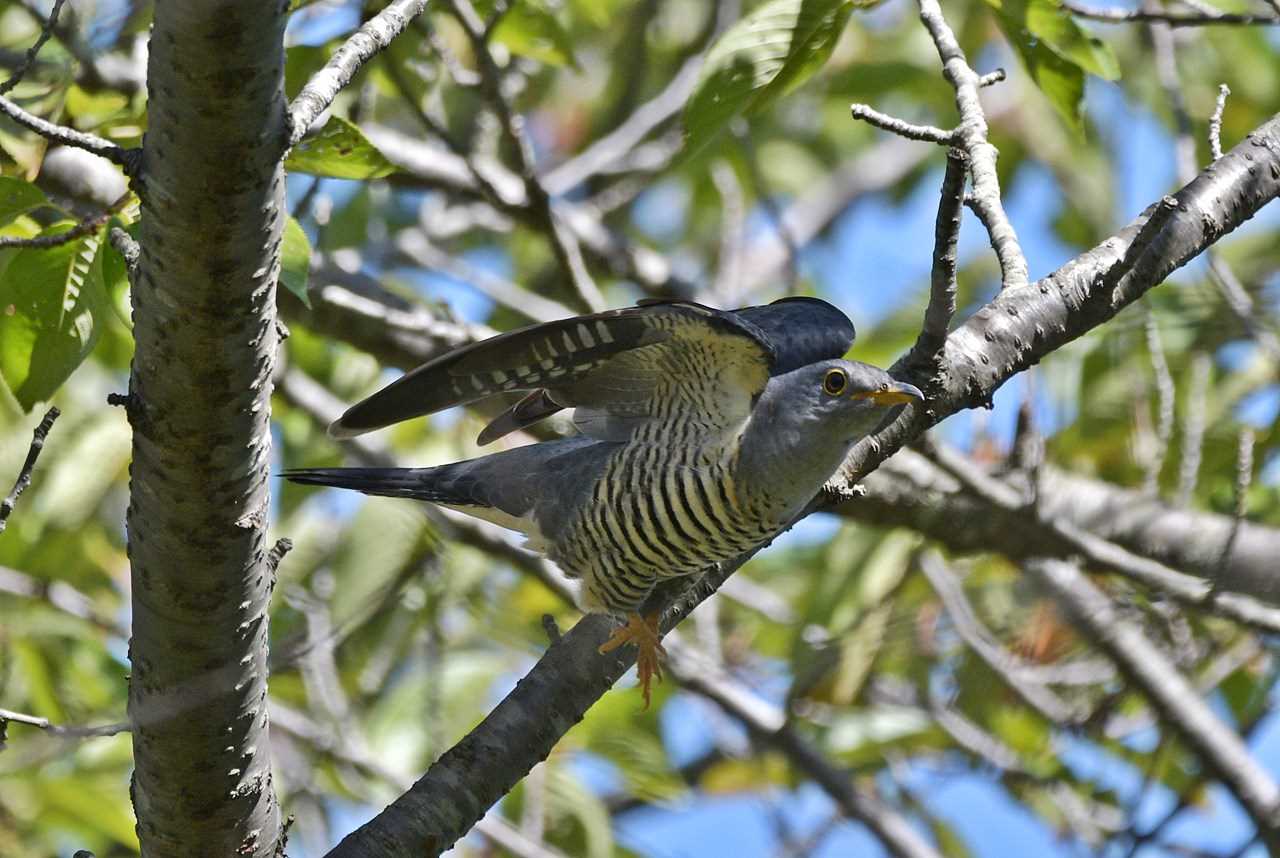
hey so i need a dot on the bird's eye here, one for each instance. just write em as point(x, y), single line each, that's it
point(835, 382)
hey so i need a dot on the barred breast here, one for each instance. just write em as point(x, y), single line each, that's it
point(665, 505)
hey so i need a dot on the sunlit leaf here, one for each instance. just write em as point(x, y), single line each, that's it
point(1056, 51)
point(52, 302)
point(295, 260)
point(531, 29)
point(18, 197)
point(340, 151)
point(763, 56)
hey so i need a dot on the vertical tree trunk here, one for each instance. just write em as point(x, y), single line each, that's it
point(204, 323)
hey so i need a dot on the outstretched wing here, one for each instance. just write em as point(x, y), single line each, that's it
point(618, 368)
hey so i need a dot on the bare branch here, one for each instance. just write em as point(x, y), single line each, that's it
point(1215, 121)
point(1244, 476)
point(1190, 591)
point(24, 475)
point(972, 136)
point(130, 159)
point(1164, 407)
point(64, 731)
point(942, 279)
point(1173, 19)
point(992, 78)
point(1221, 749)
point(85, 227)
point(373, 36)
point(924, 133)
point(1193, 428)
point(30, 57)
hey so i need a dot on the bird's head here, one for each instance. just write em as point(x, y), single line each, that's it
point(837, 401)
point(806, 421)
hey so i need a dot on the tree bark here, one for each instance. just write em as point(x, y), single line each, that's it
point(910, 491)
point(212, 193)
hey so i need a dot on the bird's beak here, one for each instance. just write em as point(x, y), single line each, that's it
point(896, 393)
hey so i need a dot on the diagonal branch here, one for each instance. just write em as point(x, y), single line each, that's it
point(130, 159)
point(24, 475)
point(1112, 15)
point(373, 36)
point(46, 30)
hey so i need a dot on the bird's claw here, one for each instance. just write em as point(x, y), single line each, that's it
point(643, 632)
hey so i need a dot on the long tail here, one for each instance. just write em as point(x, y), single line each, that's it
point(427, 484)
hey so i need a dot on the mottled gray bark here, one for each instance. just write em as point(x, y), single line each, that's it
point(204, 322)
point(910, 491)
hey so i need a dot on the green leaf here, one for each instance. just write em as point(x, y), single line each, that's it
point(18, 197)
point(1056, 51)
point(766, 54)
point(295, 260)
point(339, 151)
point(52, 302)
point(532, 30)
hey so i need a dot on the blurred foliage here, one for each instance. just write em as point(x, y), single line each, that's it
point(394, 639)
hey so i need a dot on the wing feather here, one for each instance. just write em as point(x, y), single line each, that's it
point(617, 368)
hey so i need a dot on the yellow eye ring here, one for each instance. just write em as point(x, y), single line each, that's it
point(834, 382)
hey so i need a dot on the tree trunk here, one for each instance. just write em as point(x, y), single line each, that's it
point(212, 191)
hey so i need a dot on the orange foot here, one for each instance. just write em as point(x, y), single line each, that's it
point(643, 632)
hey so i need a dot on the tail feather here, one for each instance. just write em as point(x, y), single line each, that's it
point(418, 483)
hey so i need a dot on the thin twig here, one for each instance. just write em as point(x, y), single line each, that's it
point(942, 279)
point(1111, 15)
point(924, 133)
point(564, 244)
point(65, 731)
point(992, 78)
point(130, 159)
point(972, 136)
point(373, 36)
point(1244, 476)
point(1193, 428)
point(45, 32)
point(1164, 402)
point(89, 225)
point(24, 475)
point(1215, 121)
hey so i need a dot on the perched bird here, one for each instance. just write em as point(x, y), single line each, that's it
point(702, 433)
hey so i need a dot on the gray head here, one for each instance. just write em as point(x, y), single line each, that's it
point(807, 419)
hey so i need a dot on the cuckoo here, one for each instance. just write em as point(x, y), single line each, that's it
point(702, 433)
